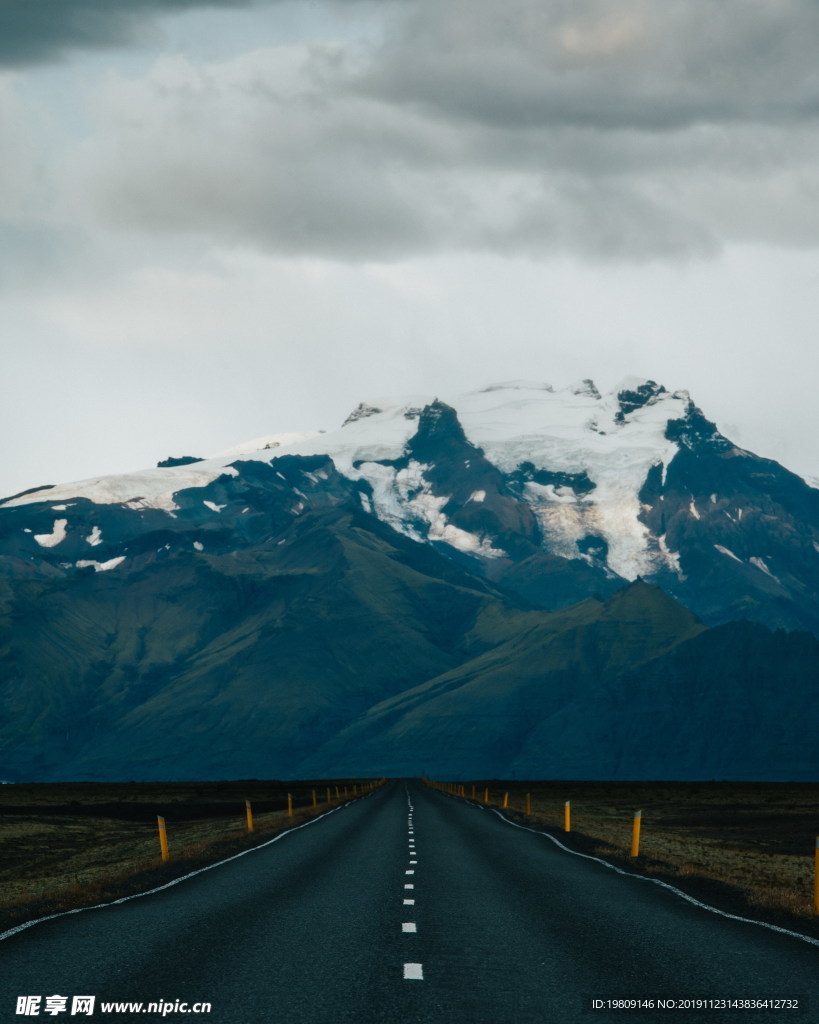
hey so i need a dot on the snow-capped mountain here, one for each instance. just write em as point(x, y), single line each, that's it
point(444, 585)
point(553, 494)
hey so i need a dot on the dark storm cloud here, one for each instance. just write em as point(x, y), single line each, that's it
point(611, 129)
point(39, 31)
point(604, 64)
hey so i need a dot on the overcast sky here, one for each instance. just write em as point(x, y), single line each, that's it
point(220, 220)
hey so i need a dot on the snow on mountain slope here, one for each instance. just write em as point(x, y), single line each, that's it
point(555, 494)
point(575, 432)
point(147, 488)
point(267, 443)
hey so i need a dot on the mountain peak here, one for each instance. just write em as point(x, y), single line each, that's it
point(361, 412)
point(438, 421)
point(585, 387)
point(646, 602)
point(178, 460)
point(634, 394)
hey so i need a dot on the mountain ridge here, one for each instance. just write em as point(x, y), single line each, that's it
point(553, 494)
point(450, 588)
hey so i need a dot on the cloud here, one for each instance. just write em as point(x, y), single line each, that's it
point(621, 129)
point(603, 64)
point(253, 151)
point(40, 31)
point(17, 151)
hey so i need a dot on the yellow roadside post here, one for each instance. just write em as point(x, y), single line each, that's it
point(567, 816)
point(337, 793)
point(816, 878)
point(473, 792)
point(486, 795)
point(505, 800)
point(163, 837)
point(528, 804)
point(315, 801)
point(289, 805)
point(635, 834)
point(328, 794)
point(249, 814)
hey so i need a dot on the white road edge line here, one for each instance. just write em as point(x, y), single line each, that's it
point(408, 926)
point(413, 972)
point(664, 885)
point(175, 881)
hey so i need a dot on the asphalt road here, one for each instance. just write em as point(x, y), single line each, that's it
point(407, 906)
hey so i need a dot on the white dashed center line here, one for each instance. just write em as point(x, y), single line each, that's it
point(412, 972)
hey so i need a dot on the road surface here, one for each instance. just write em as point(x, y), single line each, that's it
point(405, 906)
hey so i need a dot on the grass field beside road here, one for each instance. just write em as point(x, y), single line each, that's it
point(749, 845)
point(66, 845)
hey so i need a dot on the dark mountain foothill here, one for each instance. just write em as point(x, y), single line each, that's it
point(522, 583)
